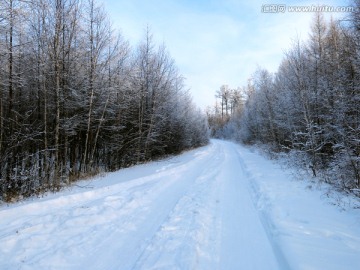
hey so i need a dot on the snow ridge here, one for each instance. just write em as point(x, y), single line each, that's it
point(216, 207)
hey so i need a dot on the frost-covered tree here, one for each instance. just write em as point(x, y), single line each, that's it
point(309, 107)
point(76, 100)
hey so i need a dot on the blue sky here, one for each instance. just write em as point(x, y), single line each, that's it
point(214, 42)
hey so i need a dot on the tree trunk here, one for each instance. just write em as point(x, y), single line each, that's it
point(57, 90)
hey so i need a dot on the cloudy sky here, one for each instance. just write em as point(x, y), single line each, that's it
point(215, 42)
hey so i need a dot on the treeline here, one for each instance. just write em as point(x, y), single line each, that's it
point(310, 108)
point(229, 102)
point(76, 99)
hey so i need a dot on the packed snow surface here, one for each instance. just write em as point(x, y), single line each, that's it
point(217, 207)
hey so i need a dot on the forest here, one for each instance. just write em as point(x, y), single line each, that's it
point(308, 110)
point(76, 99)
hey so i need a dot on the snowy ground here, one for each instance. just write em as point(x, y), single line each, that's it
point(217, 207)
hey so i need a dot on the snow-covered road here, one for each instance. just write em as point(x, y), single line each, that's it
point(216, 207)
